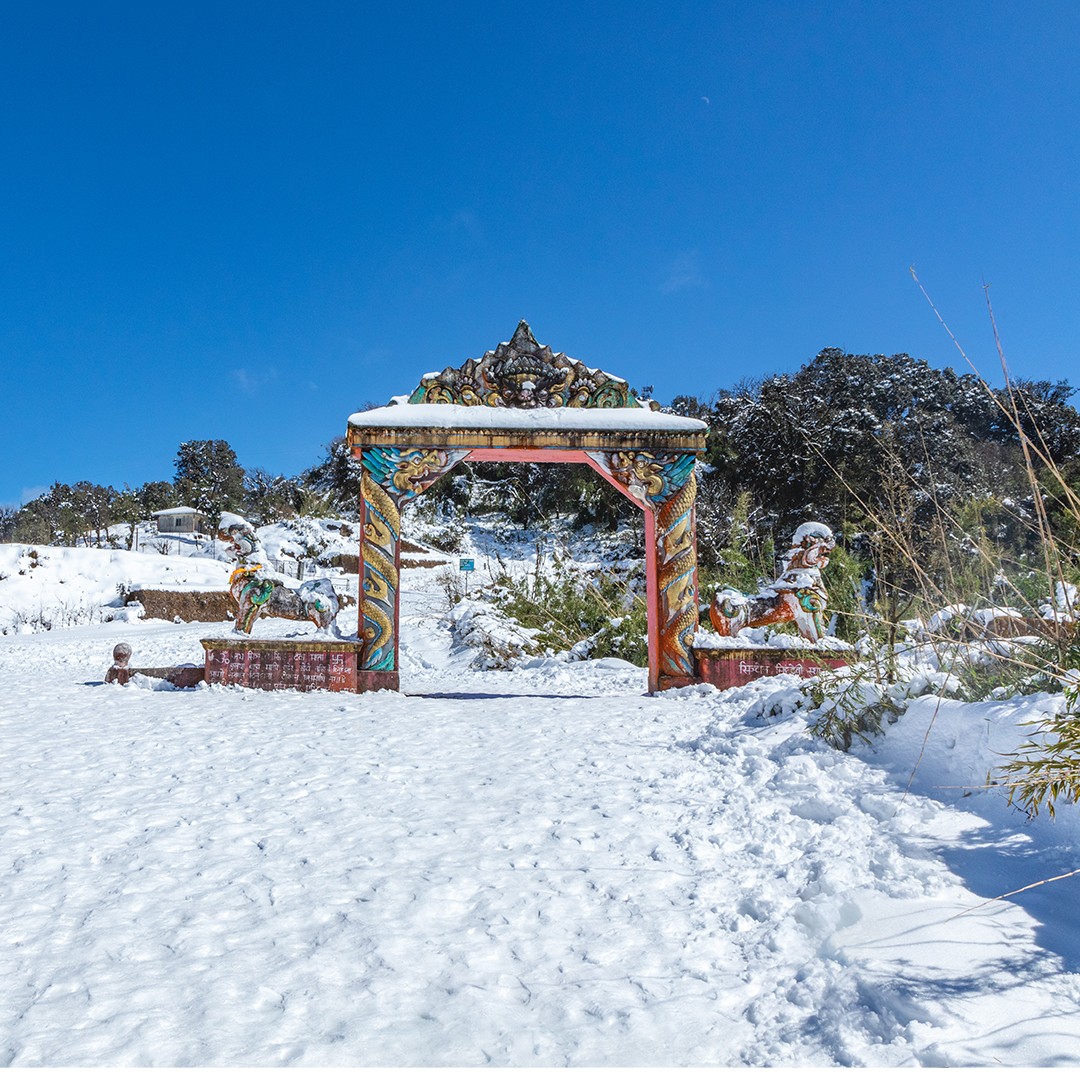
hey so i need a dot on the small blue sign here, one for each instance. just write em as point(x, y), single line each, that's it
point(466, 564)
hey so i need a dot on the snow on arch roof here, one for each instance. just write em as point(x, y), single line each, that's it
point(523, 394)
point(176, 510)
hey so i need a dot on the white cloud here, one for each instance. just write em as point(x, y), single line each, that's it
point(464, 222)
point(251, 382)
point(684, 272)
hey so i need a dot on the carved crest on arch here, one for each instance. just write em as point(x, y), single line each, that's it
point(523, 374)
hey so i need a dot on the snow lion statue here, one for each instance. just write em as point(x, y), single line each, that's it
point(798, 595)
point(258, 590)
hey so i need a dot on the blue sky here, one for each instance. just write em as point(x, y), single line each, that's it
point(245, 220)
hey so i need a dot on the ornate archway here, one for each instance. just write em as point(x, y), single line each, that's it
point(522, 402)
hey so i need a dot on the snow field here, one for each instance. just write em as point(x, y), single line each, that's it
point(534, 867)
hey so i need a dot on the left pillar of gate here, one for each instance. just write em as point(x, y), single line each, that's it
point(389, 478)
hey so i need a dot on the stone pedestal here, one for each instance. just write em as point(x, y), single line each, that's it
point(376, 680)
point(676, 682)
point(283, 665)
point(736, 667)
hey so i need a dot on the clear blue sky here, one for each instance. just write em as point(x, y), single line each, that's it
point(244, 220)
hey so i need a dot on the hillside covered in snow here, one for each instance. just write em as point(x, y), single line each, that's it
point(534, 866)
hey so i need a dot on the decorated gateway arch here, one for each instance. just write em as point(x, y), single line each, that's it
point(524, 402)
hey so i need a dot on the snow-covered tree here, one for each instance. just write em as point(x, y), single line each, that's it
point(336, 476)
point(9, 515)
point(155, 495)
point(270, 496)
point(208, 476)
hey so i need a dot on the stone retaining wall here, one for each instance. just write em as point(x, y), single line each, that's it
point(171, 605)
point(209, 606)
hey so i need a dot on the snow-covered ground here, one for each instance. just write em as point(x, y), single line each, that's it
point(542, 866)
point(47, 588)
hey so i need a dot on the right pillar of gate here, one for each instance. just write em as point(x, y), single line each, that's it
point(664, 486)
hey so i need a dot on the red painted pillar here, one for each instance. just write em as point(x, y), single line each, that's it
point(652, 599)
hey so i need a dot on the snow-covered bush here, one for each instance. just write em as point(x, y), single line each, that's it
point(580, 613)
point(859, 700)
point(570, 610)
point(500, 640)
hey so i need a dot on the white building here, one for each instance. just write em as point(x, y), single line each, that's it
point(180, 519)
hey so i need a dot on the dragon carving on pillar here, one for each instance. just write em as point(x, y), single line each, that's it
point(390, 477)
point(666, 483)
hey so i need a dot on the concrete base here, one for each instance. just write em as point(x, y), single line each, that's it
point(673, 682)
point(736, 667)
point(376, 680)
point(321, 664)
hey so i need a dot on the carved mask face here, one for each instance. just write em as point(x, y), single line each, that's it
point(526, 379)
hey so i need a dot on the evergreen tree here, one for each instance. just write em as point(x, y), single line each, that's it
point(208, 477)
point(268, 496)
point(337, 476)
point(95, 505)
point(155, 495)
point(823, 442)
point(33, 524)
point(9, 516)
point(127, 509)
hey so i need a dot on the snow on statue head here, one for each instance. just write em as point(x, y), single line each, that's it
point(239, 532)
point(259, 590)
point(797, 595)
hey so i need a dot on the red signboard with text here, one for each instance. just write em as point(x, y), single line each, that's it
point(282, 665)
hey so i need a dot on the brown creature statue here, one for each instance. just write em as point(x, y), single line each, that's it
point(260, 591)
point(798, 595)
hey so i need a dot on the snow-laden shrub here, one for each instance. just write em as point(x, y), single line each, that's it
point(446, 534)
point(856, 702)
point(571, 611)
point(311, 540)
point(438, 523)
point(580, 613)
point(500, 641)
point(1045, 769)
